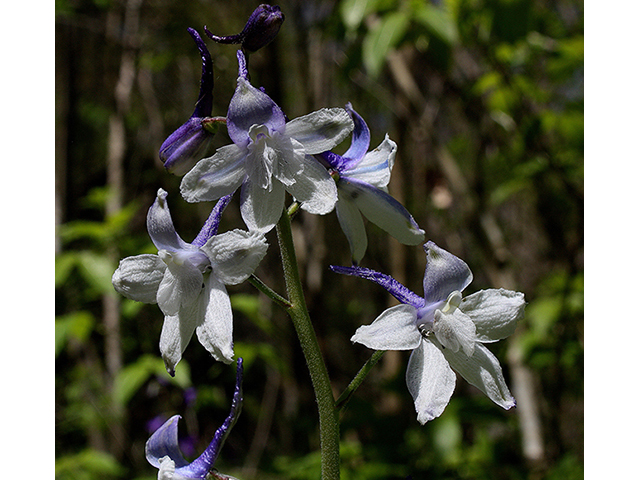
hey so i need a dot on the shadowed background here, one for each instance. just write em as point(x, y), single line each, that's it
point(485, 101)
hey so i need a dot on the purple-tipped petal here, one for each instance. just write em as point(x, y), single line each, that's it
point(164, 442)
point(201, 465)
point(210, 227)
point(249, 106)
point(443, 274)
point(160, 225)
point(360, 140)
point(390, 284)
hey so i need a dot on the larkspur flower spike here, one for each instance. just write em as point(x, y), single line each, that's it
point(163, 452)
point(261, 28)
point(184, 147)
point(444, 331)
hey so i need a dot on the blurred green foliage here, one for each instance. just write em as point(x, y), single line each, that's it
point(485, 101)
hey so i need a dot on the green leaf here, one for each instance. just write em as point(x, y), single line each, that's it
point(77, 325)
point(64, 265)
point(354, 11)
point(383, 37)
point(249, 305)
point(88, 464)
point(133, 376)
point(438, 21)
point(97, 270)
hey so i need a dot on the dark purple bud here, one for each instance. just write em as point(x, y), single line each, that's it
point(261, 28)
point(184, 147)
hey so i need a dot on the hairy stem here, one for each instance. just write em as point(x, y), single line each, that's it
point(328, 415)
point(264, 288)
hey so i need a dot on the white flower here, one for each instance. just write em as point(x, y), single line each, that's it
point(268, 157)
point(362, 178)
point(444, 331)
point(187, 280)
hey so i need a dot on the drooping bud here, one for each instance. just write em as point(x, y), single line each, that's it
point(183, 148)
point(261, 28)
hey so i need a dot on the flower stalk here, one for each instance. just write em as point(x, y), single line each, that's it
point(344, 398)
point(328, 414)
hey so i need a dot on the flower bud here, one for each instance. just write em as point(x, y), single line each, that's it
point(182, 149)
point(261, 28)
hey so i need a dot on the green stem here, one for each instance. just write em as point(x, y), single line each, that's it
point(328, 415)
point(264, 288)
point(342, 401)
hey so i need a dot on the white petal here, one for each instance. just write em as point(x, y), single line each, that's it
point(375, 167)
point(321, 130)
point(290, 158)
point(179, 287)
point(314, 188)
point(261, 208)
point(177, 331)
point(443, 274)
point(139, 277)
point(494, 312)
point(352, 225)
point(383, 210)
point(455, 330)
point(216, 176)
point(482, 370)
point(394, 329)
point(167, 469)
point(215, 332)
point(235, 255)
point(430, 381)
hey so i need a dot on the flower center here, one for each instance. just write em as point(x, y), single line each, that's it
point(263, 159)
point(453, 328)
point(178, 259)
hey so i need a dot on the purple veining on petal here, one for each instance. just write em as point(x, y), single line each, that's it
point(201, 465)
point(210, 227)
point(389, 283)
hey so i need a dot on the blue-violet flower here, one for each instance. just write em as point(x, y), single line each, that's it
point(163, 452)
point(261, 28)
point(187, 280)
point(362, 178)
point(444, 331)
point(268, 156)
point(185, 146)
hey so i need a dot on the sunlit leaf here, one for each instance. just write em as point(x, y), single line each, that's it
point(383, 37)
point(438, 21)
